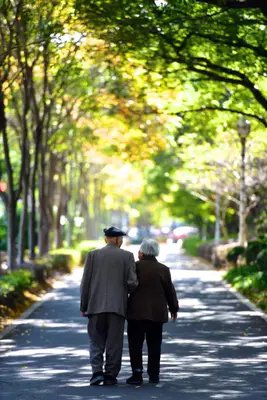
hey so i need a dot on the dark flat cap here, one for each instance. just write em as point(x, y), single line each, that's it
point(113, 231)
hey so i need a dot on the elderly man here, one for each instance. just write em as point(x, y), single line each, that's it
point(147, 311)
point(109, 275)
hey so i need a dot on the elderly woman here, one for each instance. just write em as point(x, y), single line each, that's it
point(147, 311)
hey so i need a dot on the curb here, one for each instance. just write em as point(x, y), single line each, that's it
point(27, 313)
point(245, 301)
point(238, 295)
point(47, 296)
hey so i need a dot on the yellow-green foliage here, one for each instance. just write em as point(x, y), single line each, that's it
point(15, 282)
point(191, 244)
point(47, 261)
point(87, 245)
point(251, 281)
point(65, 259)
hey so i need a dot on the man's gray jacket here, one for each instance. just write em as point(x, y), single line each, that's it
point(109, 275)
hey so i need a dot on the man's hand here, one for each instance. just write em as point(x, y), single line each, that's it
point(84, 314)
point(174, 317)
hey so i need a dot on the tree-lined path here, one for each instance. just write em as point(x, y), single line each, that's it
point(217, 349)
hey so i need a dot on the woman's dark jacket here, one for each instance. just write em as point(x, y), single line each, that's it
point(154, 293)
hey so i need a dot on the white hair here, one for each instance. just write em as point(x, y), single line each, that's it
point(149, 247)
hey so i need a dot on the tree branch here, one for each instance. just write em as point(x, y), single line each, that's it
point(213, 108)
point(220, 73)
point(238, 43)
point(243, 81)
point(239, 4)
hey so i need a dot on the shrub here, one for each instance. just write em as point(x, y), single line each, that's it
point(47, 261)
point(15, 282)
point(262, 260)
point(65, 260)
point(191, 244)
point(205, 250)
point(253, 249)
point(85, 246)
point(263, 238)
point(233, 254)
point(247, 277)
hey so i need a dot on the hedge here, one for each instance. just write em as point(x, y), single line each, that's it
point(251, 281)
point(191, 245)
point(234, 254)
point(61, 260)
point(254, 253)
point(64, 260)
point(15, 281)
point(85, 246)
point(19, 288)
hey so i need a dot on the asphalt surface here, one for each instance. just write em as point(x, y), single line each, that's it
point(217, 349)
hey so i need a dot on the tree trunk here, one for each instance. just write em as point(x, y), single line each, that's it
point(11, 197)
point(44, 220)
point(204, 231)
point(44, 227)
point(24, 180)
point(50, 198)
point(44, 231)
point(11, 241)
point(23, 218)
point(85, 211)
point(242, 207)
point(44, 237)
point(87, 221)
point(217, 236)
point(32, 220)
point(70, 229)
point(223, 221)
point(58, 230)
point(96, 208)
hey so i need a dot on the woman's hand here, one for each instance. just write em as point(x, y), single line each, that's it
point(174, 317)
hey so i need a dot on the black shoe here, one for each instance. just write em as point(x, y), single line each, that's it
point(110, 380)
point(153, 379)
point(135, 379)
point(97, 378)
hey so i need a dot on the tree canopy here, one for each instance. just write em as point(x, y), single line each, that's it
point(219, 51)
point(148, 92)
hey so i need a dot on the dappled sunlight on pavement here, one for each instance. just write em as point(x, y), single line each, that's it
point(217, 349)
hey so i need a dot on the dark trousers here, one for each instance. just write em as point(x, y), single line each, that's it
point(137, 332)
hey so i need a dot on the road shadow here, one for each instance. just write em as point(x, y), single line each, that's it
point(216, 350)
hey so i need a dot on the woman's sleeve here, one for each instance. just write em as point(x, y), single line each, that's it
point(170, 293)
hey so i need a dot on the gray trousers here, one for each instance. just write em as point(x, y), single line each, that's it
point(105, 333)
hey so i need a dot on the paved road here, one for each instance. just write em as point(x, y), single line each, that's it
point(216, 350)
